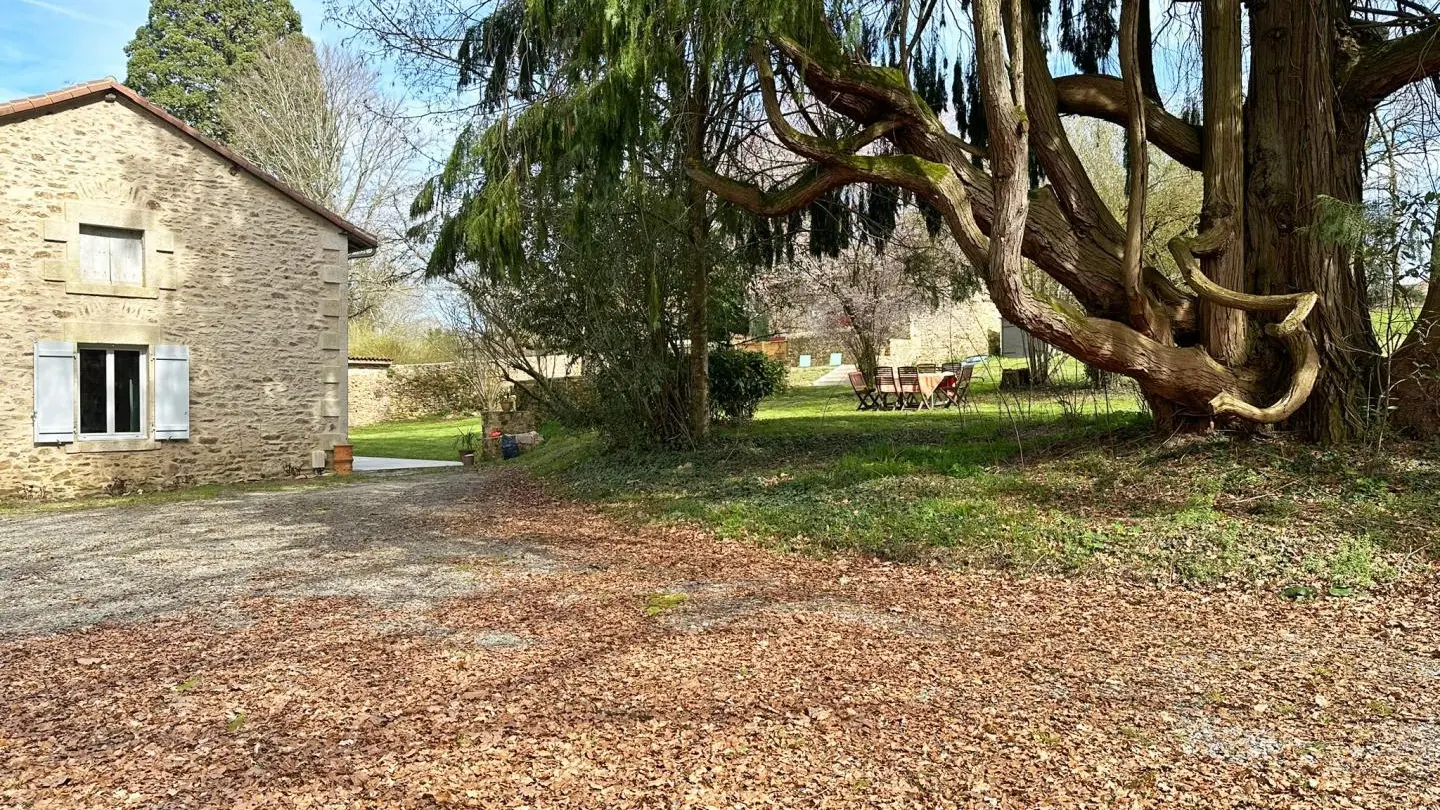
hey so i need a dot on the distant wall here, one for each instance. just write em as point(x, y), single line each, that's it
point(369, 395)
point(952, 332)
point(376, 395)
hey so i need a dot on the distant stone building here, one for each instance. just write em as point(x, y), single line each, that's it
point(169, 314)
point(954, 331)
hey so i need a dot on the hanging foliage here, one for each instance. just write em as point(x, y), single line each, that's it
point(1088, 32)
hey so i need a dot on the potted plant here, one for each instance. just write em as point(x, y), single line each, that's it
point(465, 442)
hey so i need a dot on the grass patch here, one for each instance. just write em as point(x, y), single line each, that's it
point(1071, 481)
point(420, 438)
point(658, 603)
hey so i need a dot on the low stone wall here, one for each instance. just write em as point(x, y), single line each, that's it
point(369, 395)
point(506, 422)
point(376, 393)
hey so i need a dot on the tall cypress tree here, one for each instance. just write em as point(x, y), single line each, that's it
point(187, 48)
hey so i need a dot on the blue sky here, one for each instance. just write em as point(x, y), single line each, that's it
point(83, 40)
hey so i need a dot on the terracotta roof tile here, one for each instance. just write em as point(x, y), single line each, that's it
point(357, 237)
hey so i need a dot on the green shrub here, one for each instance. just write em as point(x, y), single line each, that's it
point(574, 402)
point(739, 380)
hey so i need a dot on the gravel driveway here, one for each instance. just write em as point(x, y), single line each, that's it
point(375, 539)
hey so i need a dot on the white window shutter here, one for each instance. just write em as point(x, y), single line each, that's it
point(172, 392)
point(94, 257)
point(127, 261)
point(54, 392)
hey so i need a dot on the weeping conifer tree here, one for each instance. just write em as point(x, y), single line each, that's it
point(578, 99)
point(1270, 324)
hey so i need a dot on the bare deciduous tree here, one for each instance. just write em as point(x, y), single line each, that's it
point(320, 122)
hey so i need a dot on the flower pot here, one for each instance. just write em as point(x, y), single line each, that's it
point(343, 459)
point(467, 457)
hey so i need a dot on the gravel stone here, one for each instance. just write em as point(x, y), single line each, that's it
point(377, 540)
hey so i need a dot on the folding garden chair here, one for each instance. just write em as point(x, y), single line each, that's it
point(910, 396)
point(927, 368)
point(863, 392)
point(956, 390)
point(886, 387)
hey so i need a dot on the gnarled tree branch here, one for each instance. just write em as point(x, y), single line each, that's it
point(1220, 246)
point(1085, 261)
point(805, 189)
point(1103, 97)
point(1291, 331)
point(1390, 65)
point(1138, 302)
point(804, 145)
point(1072, 184)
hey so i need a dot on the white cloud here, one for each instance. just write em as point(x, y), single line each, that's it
point(73, 14)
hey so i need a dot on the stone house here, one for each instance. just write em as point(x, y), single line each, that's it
point(169, 313)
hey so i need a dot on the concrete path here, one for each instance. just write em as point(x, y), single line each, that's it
point(372, 464)
point(835, 376)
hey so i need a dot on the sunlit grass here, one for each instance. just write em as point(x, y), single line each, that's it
point(1069, 480)
point(421, 438)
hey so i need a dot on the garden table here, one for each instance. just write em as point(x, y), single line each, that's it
point(929, 382)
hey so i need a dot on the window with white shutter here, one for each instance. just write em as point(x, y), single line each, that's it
point(112, 255)
point(112, 392)
point(54, 392)
point(172, 392)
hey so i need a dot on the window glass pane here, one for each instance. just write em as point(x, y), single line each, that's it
point(92, 391)
point(127, 392)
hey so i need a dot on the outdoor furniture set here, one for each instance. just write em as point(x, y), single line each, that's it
point(917, 387)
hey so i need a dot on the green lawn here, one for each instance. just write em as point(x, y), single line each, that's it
point(422, 438)
point(1058, 482)
point(1067, 480)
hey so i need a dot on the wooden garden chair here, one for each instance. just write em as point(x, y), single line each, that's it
point(863, 392)
point(886, 387)
point(927, 368)
point(956, 390)
point(910, 395)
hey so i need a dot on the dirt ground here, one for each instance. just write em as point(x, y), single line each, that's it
point(467, 640)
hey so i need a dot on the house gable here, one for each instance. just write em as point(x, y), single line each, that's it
point(109, 90)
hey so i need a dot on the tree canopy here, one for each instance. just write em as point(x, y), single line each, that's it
point(186, 49)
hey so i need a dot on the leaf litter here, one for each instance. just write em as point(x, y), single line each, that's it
point(777, 681)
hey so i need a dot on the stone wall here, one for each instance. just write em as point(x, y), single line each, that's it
point(952, 332)
point(369, 395)
point(250, 281)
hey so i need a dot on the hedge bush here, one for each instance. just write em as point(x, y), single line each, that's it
point(739, 380)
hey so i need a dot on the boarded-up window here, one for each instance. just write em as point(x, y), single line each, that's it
point(111, 255)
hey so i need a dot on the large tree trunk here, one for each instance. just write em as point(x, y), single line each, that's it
point(1415, 367)
point(1302, 141)
point(698, 226)
point(1273, 323)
